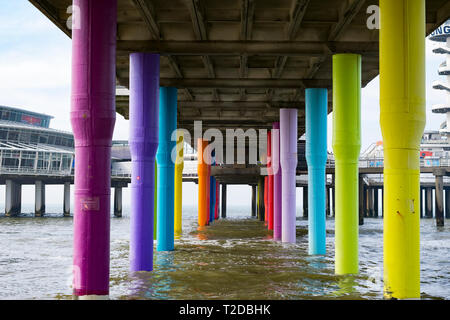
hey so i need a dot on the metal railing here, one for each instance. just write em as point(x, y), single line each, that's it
point(33, 171)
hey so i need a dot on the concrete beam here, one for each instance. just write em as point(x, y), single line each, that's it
point(248, 48)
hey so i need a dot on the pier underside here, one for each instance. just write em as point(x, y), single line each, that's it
point(236, 62)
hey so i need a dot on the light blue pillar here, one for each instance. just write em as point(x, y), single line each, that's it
point(166, 168)
point(212, 191)
point(316, 157)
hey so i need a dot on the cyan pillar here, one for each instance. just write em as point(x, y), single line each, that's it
point(166, 168)
point(276, 171)
point(93, 116)
point(316, 157)
point(144, 110)
point(288, 160)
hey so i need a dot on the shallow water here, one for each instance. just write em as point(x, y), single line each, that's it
point(232, 259)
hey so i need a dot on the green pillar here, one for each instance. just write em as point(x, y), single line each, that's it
point(346, 147)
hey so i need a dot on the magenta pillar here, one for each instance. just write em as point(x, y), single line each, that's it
point(276, 168)
point(288, 161)
point(144, 115)
point(93, 117)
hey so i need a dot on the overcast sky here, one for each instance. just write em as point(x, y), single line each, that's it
point(35, 73)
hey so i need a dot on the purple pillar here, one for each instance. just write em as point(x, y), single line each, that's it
point(93, 117)
point(288, 161)
point(144, 117)
point(276, 181)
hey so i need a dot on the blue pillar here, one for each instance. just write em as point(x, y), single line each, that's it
point(166, 168)
point(316, 156)
point(212, 191)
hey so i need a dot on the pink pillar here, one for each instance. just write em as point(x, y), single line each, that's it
point(270, 182)
point(276, 171)
point(266, 205)
point(93, 117)
point(288, 160)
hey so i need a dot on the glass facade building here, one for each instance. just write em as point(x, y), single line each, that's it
point(24, 116)
point(29, 146)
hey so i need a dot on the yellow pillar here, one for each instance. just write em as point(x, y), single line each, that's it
point(402, 118)
point(179, 165)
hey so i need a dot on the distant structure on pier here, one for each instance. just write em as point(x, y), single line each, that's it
point(442, 37)
point(28, 145)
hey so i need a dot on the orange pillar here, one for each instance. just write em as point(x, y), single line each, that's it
point(202, 171)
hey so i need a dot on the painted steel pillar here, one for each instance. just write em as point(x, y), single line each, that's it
point(39, 198)
point(439, 200)
point(155, 203)
point(166, 168)
point(212, 190)
point(402, 118)
point(93, 116)
point(270, 182)
point(266, 204)
point(288, 160)
point(316, 157)
point(224, 200)
point(179, 166)
point(202, 172)
point(346, 147)
point(208, 187)
point(276, 171)
point(118, 202)
point(144, 109)
point(66, 200)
